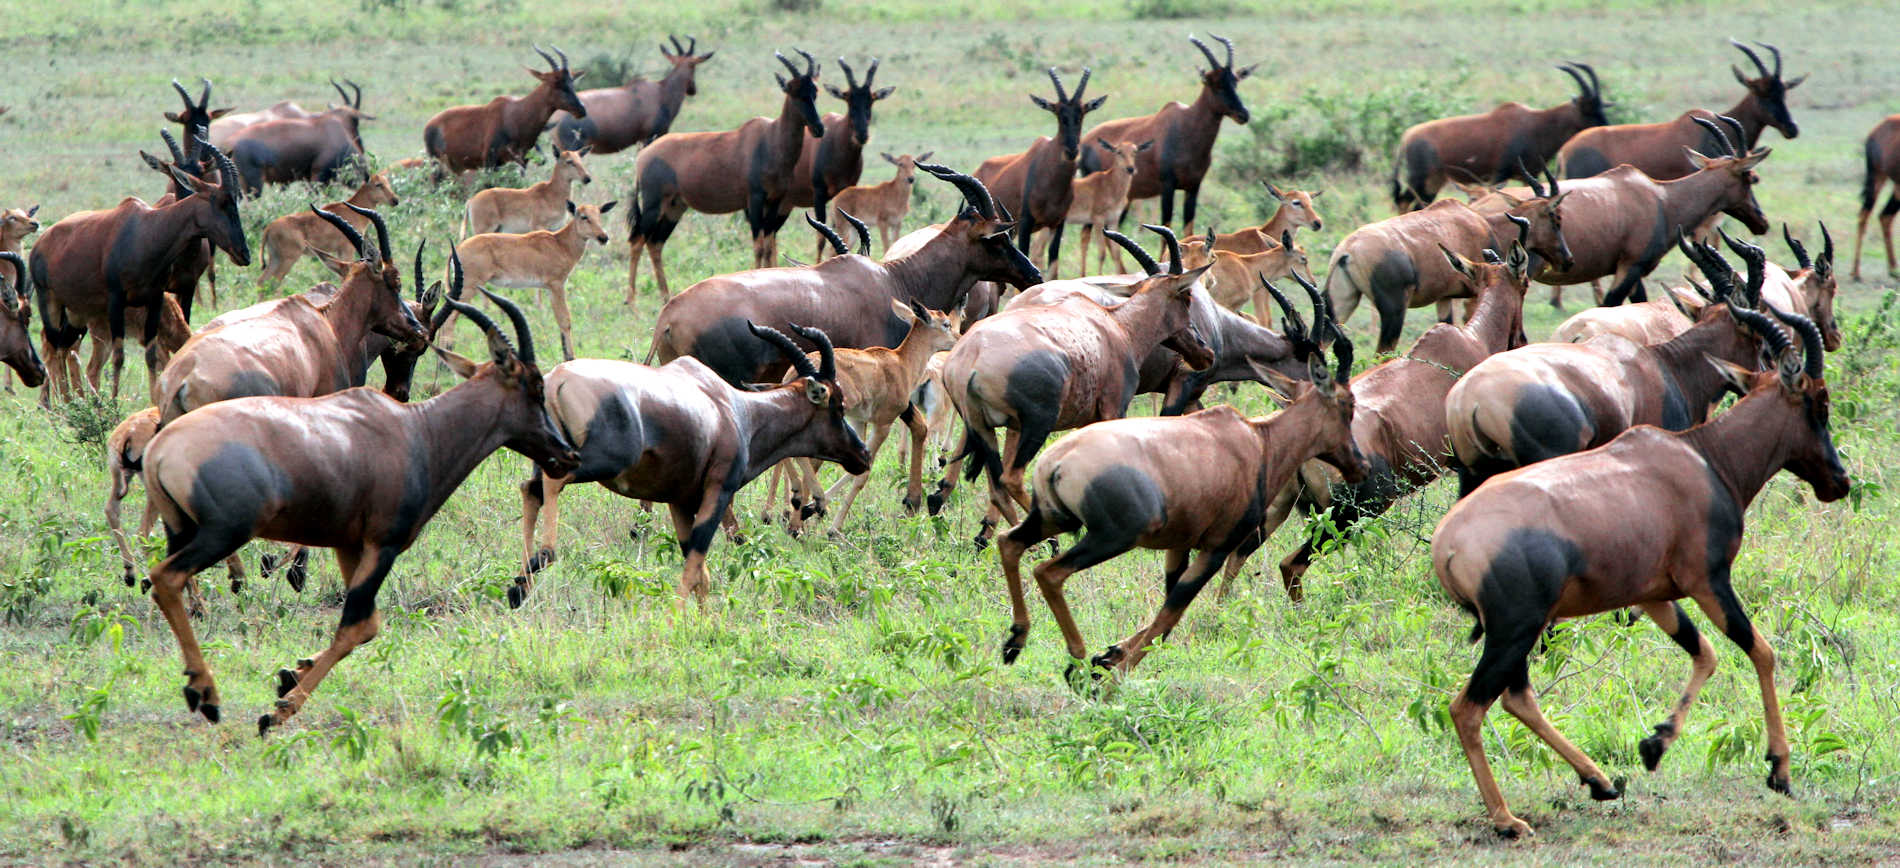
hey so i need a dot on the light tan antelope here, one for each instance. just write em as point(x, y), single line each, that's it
point(882, 204)
point(536, 206)
point(536, 260)
point(1099, 198)
point(1234, 279)
point(289, 237)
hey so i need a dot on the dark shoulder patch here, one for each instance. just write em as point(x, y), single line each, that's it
point(1547, 422)
point(1527, 574)
point(1035, 385)
point(1121, 503)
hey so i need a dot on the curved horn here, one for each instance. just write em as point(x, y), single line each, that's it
point(1323, 321)
point(1800, 253)
point(1083, 85)
point(1772, 52)
point(1582, 85)
point(1721, 136)
point(1811, 350)
point(12, 296)
point(227, 171)
point(358, 90)
point(1751, 56)
point(183, 94)
point(349, 232)
point(677, 48)
point(1739, 137)
point(420, 246)
point(827, 357)
point(204, 95)
point(520, 322)
point(837, 244)
point(1756, 261)
point(481, 320)
point(340, 92)
point(1227, 44)
point(973, 190)
point(1342, 351)
point(1523, 228)
point(789, 350)
point(850, 79)
point(1827, 246)
point(375, 219)
point(864, 234)
point(561, 54)
point(1537, 188)
point(1173, 243)
point(454, 292)
point(1295, 328)
point(870, 73)
point(788, 64)
point(1775, 338)
point(1142, 258)
point(1721, 277)
point(178, 156)
point(1205, 52)
point(1596, 87)
point(1062, 94)
point(811, 63)
point(546, 56)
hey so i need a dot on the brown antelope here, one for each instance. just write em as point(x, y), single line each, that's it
point(125, 454)
point(1644, 323)
point(1195, 483)
point(196, 122)
point(748, 169)
point(537, 260)
point(1296, 211)
point(1183, 137)
point(1540, 401)
point(1037, 184)
point(1613, 220)
point(1494, 146)
point(1882, 152)
point(1656, 149)
point(831, 163)
point(680, 435)
point(636, 113)
point(318, 148)
point(15, 226)
point(847, 297)
point(359, 473)
point(883, 204)
point(1660, 520)
point(1234, 279)
point(1808, 289)
point(289, 237)
point(1397, 265)
point(1399, 424)
point(1098, 200)
point(1038, 369)
point(297, 346)
point(468, 138)
point(877, 385)
point(222, 129)
point(101, 262)
point(16, 320)
point(543, 205)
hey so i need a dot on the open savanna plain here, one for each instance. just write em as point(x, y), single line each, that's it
point(843, 699)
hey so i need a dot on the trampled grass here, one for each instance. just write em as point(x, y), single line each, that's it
point(842, 699)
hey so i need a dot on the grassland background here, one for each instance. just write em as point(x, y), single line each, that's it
point(842, 700)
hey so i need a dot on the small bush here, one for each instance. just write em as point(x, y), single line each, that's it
point(794, 5)
point(1343, 131)
point(1169, 9)
point(607, 70)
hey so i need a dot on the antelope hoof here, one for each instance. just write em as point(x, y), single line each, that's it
point(286, 682)
point(1013, 646)
point(811, 509)
point(518, 592)
point(193, 698)
point(541, 560)
point(935, 501)
point(911, 504)
point(264, 723)
point(131, 579)
point(1653, 747)
point(211, 712)
point(1603, 791)
point(1109, 658)
point(145, 586)
point(1079, 683)
point(298, 573)
point(1513, 828)
point(1778, 776)
point(237, 584)
point(267, 564)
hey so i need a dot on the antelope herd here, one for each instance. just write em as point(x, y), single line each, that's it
point(262, 428)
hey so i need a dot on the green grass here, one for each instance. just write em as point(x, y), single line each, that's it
point(841, 700)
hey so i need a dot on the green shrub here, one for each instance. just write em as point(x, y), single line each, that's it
point(1336, 131)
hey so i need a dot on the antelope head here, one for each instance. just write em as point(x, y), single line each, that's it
point(1768, 88)
point(559, 82)
point(802, 90)
point(986, 227)
point(1222, 80)
point(684, 63)
point(1069, 109)
point(858, 99)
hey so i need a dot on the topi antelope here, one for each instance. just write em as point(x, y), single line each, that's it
point(680, 435)
point(1807, 289)
point(618, 118)
point(1193, 486)
point(847, 297)
point(748, 169)
point(195, 121)
point(97, 263)
point(359, 473)
point(1183, 137)
point(1494, 146)
point(1656, 149)
point(223, 128)
point(1399, 423)
point(1661, 519)
point(467, 138)
point(287, 238)
point(1098, 200)
point(1644, 323)
point(829, 164)
point(300, 346)
point(1613, 221)
point(1038, 184)
point(1882, 156)
point(319, 148)
point(537, 260)
point(883, 204)
point(877, 385)
point(1537, 402)
point(1396, 264)
point(543, 205)
point(1038, 369)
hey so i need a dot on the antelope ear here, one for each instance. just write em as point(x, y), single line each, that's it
point(1559, 200)
point(1791, 85)
point(883, 93)
point(1145, 145)
point(1280, 387)
point(818, 393)
point(903, 311)
point(1187, 280)
point(577, 76)
point(460, 364)
point(1316, 194)
point(923, 157)
point(1695, 159)
point(1734, 376)
point(609, 206)
point(1316, 371)
point(336, 264)
point(1519, 261)
point(1041, 103)
point(570, 206)
point(1754, 158)
point(887, 157)
point(174, 117)
point(837, 91)
point(1458, 263)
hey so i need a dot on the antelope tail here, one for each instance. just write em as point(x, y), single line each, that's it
point(654, 347)
point(1870, 187)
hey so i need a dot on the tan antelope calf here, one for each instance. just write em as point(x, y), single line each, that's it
point(289, 237)
point(1296, 212)
point(537, 206)
point(877, 384)
point(1234, 279)
point(536, 260)
point(1099, 198)
point(883, 204)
